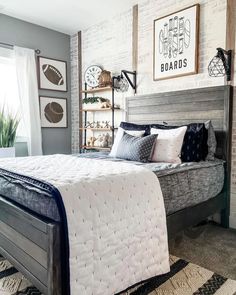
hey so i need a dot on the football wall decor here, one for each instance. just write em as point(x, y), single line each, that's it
point(52, 74)
point(53, 112)
point(176, 44)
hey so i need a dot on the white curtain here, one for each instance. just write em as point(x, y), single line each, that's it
point(29, 99)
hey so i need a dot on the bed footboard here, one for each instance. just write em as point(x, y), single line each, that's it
point(32, 245)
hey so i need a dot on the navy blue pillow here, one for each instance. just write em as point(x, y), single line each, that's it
point(195, 146)
point(135, 127)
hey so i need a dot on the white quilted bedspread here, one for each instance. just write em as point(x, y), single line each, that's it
point(116, 220)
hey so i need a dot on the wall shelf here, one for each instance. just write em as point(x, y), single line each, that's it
point(98, 110)
point(95, 148)
point(96, 129)
point(86, 112)
point(94, 90)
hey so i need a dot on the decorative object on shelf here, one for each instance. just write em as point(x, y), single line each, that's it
point(104, 103)
point(52, 74)
point(116, 106)
point(110, 141)
point(96, 102)
point(105, 79)
point(176, 44)
point(53, 112)
point(106, 124)
point(89, 125)
point(98, 124)
point(103, 140)
point(220, 65)
point(8, 128)
point(92, 75)
point(121, 83)
point(91, 141)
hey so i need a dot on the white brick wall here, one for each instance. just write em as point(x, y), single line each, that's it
point(74, 95)
point(109, 44)
point(212, 35)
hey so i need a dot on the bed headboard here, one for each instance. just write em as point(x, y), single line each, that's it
point(188, 106)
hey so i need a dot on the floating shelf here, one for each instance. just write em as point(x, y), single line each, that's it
point(96, 129)
point(95, 148)
point(101, 109)
point(94, 90)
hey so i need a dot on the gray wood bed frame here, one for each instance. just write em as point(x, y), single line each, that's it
point(33, 244)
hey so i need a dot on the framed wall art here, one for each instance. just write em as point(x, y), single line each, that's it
point(52, 74)
point(176, 44)
point(53, 112)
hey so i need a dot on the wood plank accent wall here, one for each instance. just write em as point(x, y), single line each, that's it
point(180, 107)
point(184, 107)
point(231, 31)
point(230, 44)
point(80, 83)
point(135, 39)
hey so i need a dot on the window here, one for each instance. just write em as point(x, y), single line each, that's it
point(9, 97)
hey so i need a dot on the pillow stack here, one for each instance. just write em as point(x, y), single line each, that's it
point(164, 143)
point(199, 142)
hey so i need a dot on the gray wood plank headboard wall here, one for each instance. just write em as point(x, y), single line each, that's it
point(187, 106)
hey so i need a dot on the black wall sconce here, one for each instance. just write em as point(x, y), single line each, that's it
point(122, 82)
point(220, 65)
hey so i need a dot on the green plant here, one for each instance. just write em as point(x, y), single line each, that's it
point(94, 99)
point(8, 127)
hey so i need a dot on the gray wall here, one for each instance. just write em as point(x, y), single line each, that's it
point(52, 44)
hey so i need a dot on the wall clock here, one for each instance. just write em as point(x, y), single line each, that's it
point(92, 75)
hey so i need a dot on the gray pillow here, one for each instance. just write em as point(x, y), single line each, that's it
point(136, 148)
point(211, 141)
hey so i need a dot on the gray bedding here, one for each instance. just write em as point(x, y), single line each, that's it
point(183, 185)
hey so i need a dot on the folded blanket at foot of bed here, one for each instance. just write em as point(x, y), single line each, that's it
point(115, 216)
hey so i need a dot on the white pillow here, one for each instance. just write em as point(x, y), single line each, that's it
point(119, 135)
point(168, 144)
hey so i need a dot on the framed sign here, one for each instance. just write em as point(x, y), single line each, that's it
point(52, 74)
point(176, 44)
point(53, 112)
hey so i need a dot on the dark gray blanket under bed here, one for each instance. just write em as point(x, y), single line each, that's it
point(183, 185)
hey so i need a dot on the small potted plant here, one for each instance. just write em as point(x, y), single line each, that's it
point(96, 102)
point(8, 127)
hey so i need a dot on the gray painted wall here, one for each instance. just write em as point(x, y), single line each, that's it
point(52, 44)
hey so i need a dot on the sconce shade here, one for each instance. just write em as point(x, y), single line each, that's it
point(216, 67)
point(220, 65)
point(121, 84)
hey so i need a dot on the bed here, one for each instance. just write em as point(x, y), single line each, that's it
point(32, 238)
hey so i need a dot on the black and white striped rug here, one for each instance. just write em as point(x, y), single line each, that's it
point(184, 279)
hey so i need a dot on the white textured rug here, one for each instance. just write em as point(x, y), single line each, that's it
point(13, 282)
point(184, 279)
